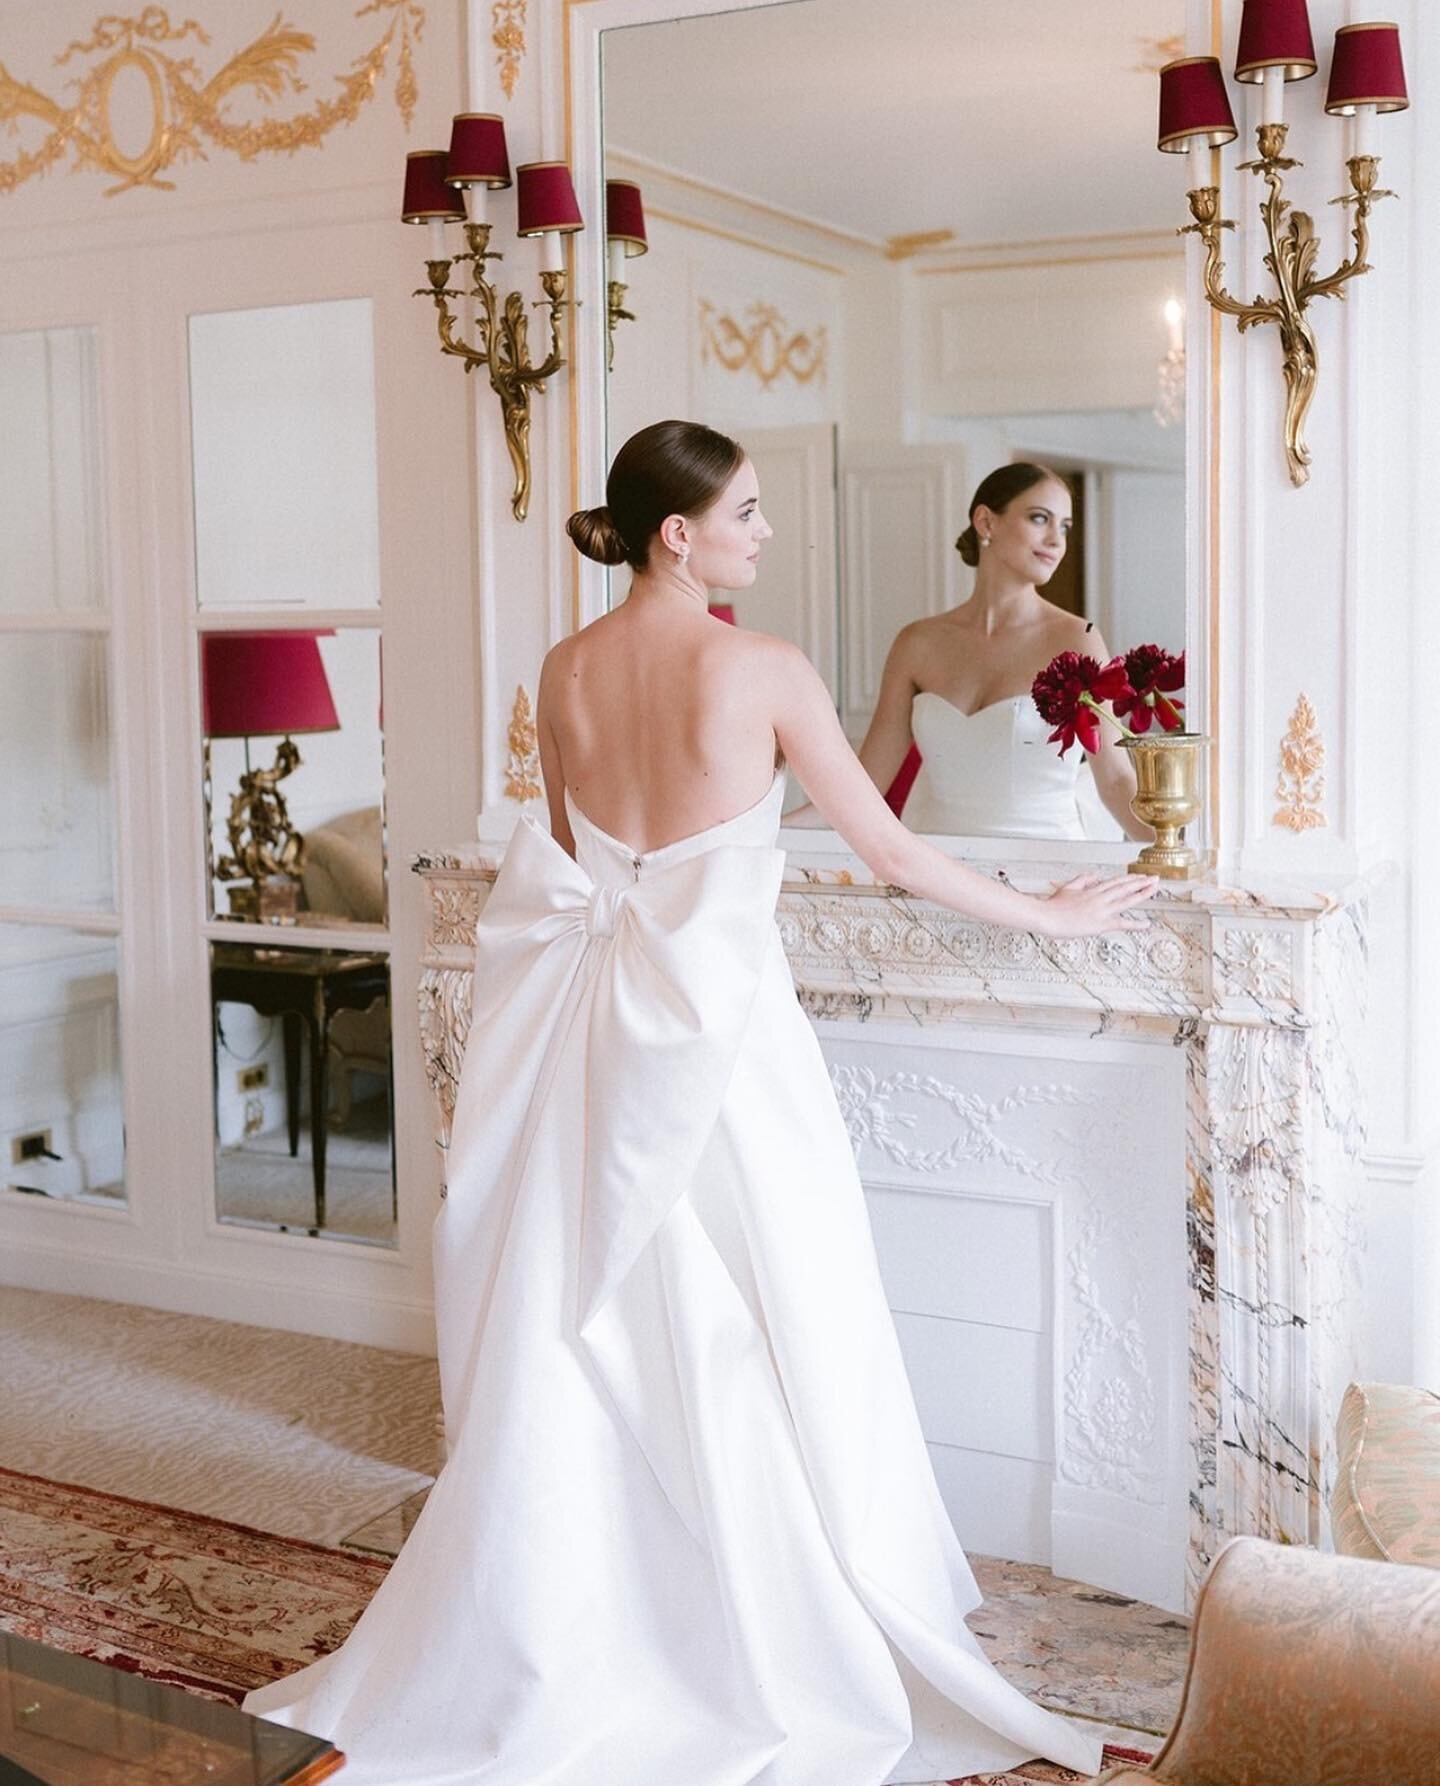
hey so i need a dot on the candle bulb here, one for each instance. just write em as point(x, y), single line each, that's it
point(1272, 99)
point(475, 202)
point(552, 255)
point(437, 238)
point(1363, 137)
point(1199, 163)
point(616, 252)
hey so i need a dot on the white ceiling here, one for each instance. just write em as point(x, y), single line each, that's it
point(1002, 120)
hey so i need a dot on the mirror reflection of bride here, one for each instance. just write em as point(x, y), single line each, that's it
point(957, 684)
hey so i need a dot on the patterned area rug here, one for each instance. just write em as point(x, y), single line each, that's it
point(194, 1602)
point(298, 1435)
point(203, 1604)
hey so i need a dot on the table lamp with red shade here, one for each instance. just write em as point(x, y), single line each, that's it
point(263, 685)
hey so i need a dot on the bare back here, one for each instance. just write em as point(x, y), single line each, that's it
point(658, 720)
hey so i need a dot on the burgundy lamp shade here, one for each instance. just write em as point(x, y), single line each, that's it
point(1194, 103)
point(426, 194)
point(724, 611)
point(260, 685)
point(1367, 70)
point(1275, 34)
point(625, 216)
point(545, 199)
point(478, 156)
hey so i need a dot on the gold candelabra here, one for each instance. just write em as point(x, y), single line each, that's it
point(503, 347)
point(1294, 246)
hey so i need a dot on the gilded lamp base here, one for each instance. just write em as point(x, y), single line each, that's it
point(274, 900)
point(1167, 798)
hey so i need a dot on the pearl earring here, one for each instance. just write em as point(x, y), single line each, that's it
point(683, 554)
point(984, 539)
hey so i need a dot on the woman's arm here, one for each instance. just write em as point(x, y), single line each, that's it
point(1115, 783)
point(1113, 771)
point(816, 746)
point(888, 737)
point(551, 771)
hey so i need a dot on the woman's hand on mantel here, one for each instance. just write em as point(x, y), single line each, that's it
point(1089, 906)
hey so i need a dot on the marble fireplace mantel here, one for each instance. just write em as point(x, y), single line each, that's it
point(1260, 987)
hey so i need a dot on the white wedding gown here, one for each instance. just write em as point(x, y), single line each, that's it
point(994, 773)
point(687, 1533)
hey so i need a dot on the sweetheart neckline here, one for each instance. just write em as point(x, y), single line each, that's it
point(954, 706)
point(661, 849)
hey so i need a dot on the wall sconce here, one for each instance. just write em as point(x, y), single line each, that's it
point(624, 239)
point(477, 161)
point(1170, 374)
point(1367, 76)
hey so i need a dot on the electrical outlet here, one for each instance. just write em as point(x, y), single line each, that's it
point(36, 1146)
point(254, 1078)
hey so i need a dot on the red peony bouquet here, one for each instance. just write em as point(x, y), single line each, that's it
point(1072, 693)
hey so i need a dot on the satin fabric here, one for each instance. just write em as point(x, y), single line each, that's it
point(992, 773)
point(687, 1533)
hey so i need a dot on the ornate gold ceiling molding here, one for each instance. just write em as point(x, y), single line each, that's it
point(764, 345)
point(507, 33)
point(186, 106)
point(1301, 783)
point(902, 247)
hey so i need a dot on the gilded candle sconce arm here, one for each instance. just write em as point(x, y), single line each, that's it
point(1293, 247)
point(502, 345)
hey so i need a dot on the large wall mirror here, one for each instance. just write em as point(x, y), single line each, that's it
point(892, 254)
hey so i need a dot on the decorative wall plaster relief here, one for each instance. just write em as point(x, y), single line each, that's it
point(868, 1104)
point(1301, 782)
point(445, 998)
point(522, 772)
point(507, 33)
point(764, 345)
point(1109, 1398)
point(186, 108)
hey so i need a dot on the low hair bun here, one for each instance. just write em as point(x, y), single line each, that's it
point(968, 546)
point(595, 534)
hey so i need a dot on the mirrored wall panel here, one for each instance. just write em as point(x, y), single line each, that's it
point(57, 835)
point(51, 533)
point(62, 1114)
point(295, 775)
point(282, 419)
point(303, 1091)
point(892, 257)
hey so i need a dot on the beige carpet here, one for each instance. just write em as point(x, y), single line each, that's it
point(306, 1437)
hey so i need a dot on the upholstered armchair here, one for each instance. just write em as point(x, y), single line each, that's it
point(343, 877)
point(1307, 1669)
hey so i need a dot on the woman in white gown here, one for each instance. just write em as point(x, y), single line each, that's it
point(958, 684)
point(687, 1533)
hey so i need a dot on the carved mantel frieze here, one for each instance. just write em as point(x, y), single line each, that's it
point(1261, 988)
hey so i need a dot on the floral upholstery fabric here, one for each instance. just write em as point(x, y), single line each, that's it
point(1386, 1500)
point(1307, 1670)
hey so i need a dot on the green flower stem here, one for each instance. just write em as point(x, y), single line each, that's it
point(1088, 700)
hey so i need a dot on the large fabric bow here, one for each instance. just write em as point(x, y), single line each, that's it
point(663, 971)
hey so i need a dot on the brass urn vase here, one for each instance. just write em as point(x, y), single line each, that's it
point(1167, 798)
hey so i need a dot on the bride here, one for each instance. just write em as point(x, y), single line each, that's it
point(958, 684)
point(687, 1533)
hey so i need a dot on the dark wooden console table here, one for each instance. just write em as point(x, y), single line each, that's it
point(304, 988)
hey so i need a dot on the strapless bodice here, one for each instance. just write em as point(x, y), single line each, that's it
point(610, 861)
point(991, 773)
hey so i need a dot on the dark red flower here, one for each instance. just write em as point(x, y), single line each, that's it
point(1067, 694)
point(1153, 676)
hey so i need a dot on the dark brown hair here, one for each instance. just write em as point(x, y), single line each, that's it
point(996, 493)
point(669, 468)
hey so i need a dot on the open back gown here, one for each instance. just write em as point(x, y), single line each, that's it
point(687, 1533)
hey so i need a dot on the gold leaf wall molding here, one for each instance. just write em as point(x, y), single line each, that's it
point(764, 345)
point(187, 108)
point(1301, 783)
point(507, 33)
point(522, 771)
